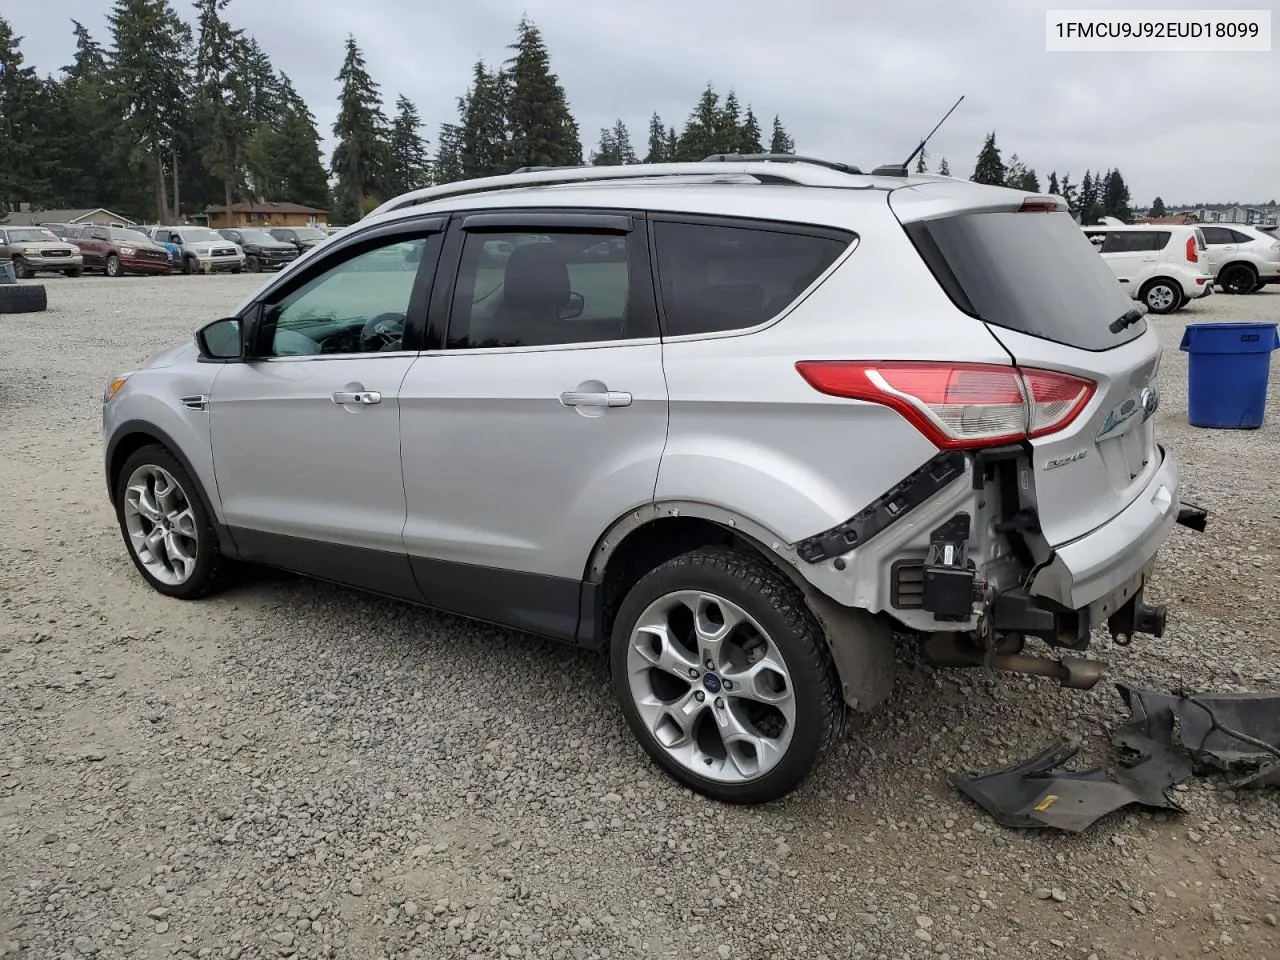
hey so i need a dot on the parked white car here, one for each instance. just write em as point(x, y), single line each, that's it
point(1243, 259)
point(1163, 265)
point(203, 250)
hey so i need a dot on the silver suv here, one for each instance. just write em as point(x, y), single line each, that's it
point(740, 426)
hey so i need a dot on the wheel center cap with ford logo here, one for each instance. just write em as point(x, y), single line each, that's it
point(711, 682)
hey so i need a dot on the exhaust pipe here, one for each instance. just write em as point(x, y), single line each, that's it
point(951, 650)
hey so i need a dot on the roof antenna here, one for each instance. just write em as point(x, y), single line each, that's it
point(900, 169)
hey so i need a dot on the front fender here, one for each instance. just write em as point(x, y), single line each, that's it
point(150, 404)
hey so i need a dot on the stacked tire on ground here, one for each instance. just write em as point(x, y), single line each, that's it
point(20, 298)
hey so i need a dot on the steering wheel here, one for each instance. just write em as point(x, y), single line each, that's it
point(382, 331)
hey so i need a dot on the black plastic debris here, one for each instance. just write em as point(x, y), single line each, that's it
point(1237, 734)
point(1040, 793)
point(1168, 738)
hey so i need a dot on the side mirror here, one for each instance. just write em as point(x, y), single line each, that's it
point(574, 307)
point(221, 340)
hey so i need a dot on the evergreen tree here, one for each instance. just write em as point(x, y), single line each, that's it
point(920, 161)
point(782, 142)
point(1089, 204)
point(727, 132)
point(1115, 197)
point(657, 141)
point(485, 150)
point(944, 168)
point(284, 161)
point(749, 134)
point(409, 167)
point(447, 167)
point(222, 97)
point(543, 132)
point(265, 100)
point(360, 157)
point(23, 105)
point(1068, 192)
point(672, 150)
point(150, 56)
point(1157, 208)
point(699, 137)
point(1030, 182)
point(1053, 184)
point(615, 147)
point(989, 168)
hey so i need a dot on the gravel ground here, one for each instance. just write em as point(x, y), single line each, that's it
point(296, 769)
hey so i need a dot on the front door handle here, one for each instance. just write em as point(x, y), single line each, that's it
point(357, 396)
point(607, 398)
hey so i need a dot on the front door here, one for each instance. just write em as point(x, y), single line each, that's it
point(306, 436)
point(540, 421)
point(1221, 246)
point(93, 245)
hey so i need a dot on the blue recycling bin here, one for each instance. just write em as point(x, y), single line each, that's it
point(7, 274)
point(1228, 368)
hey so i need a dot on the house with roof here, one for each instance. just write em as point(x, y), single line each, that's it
point(266, 213)
point(26, 217)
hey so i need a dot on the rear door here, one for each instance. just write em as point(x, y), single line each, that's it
point(1051, 301)
point(1221, 246)
point(540, 418)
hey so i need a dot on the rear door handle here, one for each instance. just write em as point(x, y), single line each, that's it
point(357, 396)
point(609, 398)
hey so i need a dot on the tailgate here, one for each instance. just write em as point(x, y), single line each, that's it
point(1026, 269)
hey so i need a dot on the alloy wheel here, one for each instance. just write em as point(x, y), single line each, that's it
point(711, 687)
point(161, 524)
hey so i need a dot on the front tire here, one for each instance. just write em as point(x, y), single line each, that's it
point(724, 676)
point(1238, 279)
point(1161, 295)
point(114, 269)
point(188, 265)
point(20, 269)
point(253, 264)
point(74, 272)
point(166, 526)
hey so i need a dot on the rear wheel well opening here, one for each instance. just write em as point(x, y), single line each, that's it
point(653, 544)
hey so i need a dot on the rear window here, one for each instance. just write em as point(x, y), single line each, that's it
point(718, 277)
point(1135, 241)
point(1036, 273)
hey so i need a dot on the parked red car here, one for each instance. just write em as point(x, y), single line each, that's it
point(117, 251)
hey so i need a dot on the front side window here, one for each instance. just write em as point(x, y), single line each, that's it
point(361, 305)
point(716, 278)
point(536, 290)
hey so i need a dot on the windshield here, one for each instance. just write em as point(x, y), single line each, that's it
point(200, 235)
point(128, 236)
point(311, 233)
point(1035, 273)
point(30, 235)
point(257, 236)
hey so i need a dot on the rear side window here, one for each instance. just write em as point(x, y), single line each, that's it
point(717, 277)
point(1238, 237)
point(1135, 241)
point(1035, 273)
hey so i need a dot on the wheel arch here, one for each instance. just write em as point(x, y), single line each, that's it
point(1232, 264)
point(130, 437)
point(861, 643)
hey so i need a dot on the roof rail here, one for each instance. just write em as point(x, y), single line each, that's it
point(781, 158)
point(823, 174)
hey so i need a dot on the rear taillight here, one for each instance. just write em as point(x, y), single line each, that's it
point(1192, 256)
point(958, 405)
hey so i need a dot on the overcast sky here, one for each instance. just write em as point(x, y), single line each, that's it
point(855, 82)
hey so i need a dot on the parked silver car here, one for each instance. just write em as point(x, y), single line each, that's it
point(735, 425)
point(38, 250)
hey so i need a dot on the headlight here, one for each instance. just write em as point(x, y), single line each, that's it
point(114, 387)
point(32, 251)
point(75, 251)
point(128, 251)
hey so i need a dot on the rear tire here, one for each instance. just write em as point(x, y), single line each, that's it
point(113, 267)
point(1257, 287)
point(1161, 295)
point(771, 688)
point(23, 298)
point(166, 526)
point(1238, 279)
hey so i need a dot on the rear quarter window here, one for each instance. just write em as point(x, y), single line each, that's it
point(718, 277)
